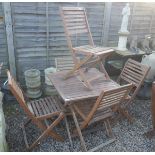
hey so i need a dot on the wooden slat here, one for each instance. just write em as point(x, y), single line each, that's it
point(42, 103)
point(139, 71)
point(138, 67)
point(76, 27)
point(72, 12)
point(78, 20)
point(135, 74)
point(72, 8)
point(94, 49)
point(65, 63)
point(130, 80)
point(49, 105)
point(58, 102)
point(74, 24)
point(39, 108)
point(136, 78)
point(74, 16)
point(101, 115)
point(55, 100)
point(34, 108)
point(78, 31)
point(52, 105)
point(131, 77)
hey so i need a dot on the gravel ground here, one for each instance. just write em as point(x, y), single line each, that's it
point(129, 137)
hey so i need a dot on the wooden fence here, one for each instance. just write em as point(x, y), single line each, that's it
point(33, 37)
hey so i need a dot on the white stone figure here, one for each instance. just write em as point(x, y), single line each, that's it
point(126, 14)
point(123, 33)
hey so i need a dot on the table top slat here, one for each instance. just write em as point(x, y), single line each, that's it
point(72, 89)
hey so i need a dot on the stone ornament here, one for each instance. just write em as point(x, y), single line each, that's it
point(123, 33)
point(144, 44)
point(133, 44)
point(126, 14)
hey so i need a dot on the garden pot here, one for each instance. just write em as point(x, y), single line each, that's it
point(33, 83)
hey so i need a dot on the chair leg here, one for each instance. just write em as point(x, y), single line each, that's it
point(102, 69)
point(108, 128)
point(52, 133)
point(125, 113)
point(47, 131)
point(68, 132)
point(102, 145)
point(78, 130)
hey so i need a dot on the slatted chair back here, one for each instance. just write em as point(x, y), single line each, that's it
point(75, 22)
point(17, 92)
point(107, 99)
point(135, 73)
point(64, 63)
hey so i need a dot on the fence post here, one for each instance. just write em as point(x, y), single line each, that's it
point(47, 35)
point(106, 23)
point(9, 36)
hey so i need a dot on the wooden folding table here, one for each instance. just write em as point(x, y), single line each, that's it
point(72, 90)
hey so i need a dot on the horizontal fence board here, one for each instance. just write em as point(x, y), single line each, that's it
point(30, 30)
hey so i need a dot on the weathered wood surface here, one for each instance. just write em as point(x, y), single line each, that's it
point(72, 89)
point(9, 36)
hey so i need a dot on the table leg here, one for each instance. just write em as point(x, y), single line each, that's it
point(102, 69)
point(78, 129)
point(68, 132)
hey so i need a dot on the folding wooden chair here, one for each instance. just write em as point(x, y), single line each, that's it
point(40, 112)
point(100, 110)
point(75, 23)
point(135, 73)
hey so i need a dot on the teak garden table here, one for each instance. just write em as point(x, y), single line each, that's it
point(72, 89)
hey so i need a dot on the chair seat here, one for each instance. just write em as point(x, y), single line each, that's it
point(96, 50)
point(45, 106)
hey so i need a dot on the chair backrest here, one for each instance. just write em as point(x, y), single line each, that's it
point(75, 22)
point(17, 92)
point(107, 99)
point(134, 72)
point(64, 63)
